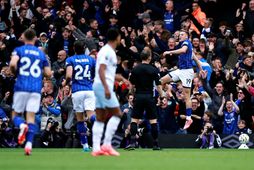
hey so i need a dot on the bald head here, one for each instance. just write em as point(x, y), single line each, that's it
point(251, 5)
point(61, 55)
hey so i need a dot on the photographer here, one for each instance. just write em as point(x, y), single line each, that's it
point(207, 136)
point(49, 109)
point(52, 136)
point(6, 133)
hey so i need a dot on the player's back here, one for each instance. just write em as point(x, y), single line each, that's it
point(29, 68)
point(143, 77)
point(83, 72)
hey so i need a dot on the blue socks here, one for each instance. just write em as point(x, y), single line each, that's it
point(188, 111)
point(93, 119)
point(81, 128)
point(17, 120)
point(31, 132)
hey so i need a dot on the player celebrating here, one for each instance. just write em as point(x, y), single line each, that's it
point(80, 68)
point(106, 100)
point(184, 72)
point(29, 63)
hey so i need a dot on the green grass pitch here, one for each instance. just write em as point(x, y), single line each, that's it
point(141, 159)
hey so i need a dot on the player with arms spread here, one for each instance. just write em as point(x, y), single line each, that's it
point(185, 72)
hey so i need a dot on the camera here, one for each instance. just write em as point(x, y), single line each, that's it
point(209, 129)
point(228, 33)
point(53, 122)
point(3, 126)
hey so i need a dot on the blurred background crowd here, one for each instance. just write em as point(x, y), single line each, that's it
point(221, 32)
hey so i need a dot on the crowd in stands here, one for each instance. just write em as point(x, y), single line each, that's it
point(222, 98)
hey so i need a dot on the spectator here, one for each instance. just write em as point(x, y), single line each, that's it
point(204, 64)
point(58, 67)
point(230, 115)
point(248, 65)
point(207, 28)
point(207, 117)
point(216, 95)
point(65, 42)
point(127, 110)
point(240, 51)
point(239, 32)
point(241, 128)
point(88, 10)
point(94, 28)
point(151, 23)
point(169, 16)
point(43, 41)
point(195, 43)
point(4, 106)
point(244, 103)
point(217, 74)
point(198, 109)
point(199, 18)
point(67, 108)
point(48, 88)
point(207, 136)
point(166, 117)
point(249, 19)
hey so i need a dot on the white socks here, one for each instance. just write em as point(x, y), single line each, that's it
point(85, 145)
point(97, 129)
point(22, 125)
point(111, 129)
point(28, 145)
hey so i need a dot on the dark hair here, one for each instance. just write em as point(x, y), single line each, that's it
point(21, 9)
point(242, 121)
point(92, 20)
point(159, 22)
point(220, 82)
point(145, 54)
point(29, 34)
point(195, 98)
point(217, 58)
point(79, 47)
point(130, 94)
point(165, 35)
point(209, 114)
point(112, 34)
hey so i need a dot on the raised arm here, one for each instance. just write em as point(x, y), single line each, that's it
point(237, 110)
point(220, 111)
point(196, 60)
